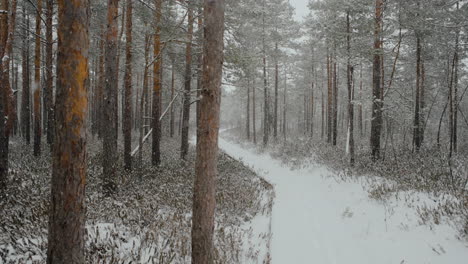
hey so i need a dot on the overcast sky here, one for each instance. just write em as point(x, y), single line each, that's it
point(301, 8)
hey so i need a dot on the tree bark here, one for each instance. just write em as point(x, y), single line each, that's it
point(26, 91)
point(204, 202)
point(48, 91)
point(67, 218)
point(127, 118)
point(329, 100)
point(376, 122)
point(156, 107)
point(101, 87)
point(275, 121)
point(455, 92)
point(335, 101)
point(110, 100)
point(360, 104)
point(187, 87)
point(199, 59)
point(7, 111)
point(350, 93)
point(172, 98)
point(312, 94)
point(144, 100)
point(37, 83)
point(266, 123)
point(247, 125)
point(254, 114)
point(284, 105)
point(417, 109)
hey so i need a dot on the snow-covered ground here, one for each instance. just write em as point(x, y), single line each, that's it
point(317, 219)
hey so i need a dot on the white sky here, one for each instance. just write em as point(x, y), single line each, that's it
point(301, 8)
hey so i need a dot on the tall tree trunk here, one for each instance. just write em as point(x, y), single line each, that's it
point(68, 210)
point(284, 105)
point(417, 109)
point(123, 16)
point(127, 118)
point(360, 104)
point(204, 202)
point(7, 111)
point(26, 91)
point(101, 86)
point(335, 101)
point(48, 91)
point(305, 122)
point(376, 122)
point(110, 100)
point(350, 93)
point(455, 92)
point(15, 95)
point(247, 125)
point(92, 95)
point(172, 98)
point(199, 59)
point(144, 99)
point(312, 95)
point(275, 121)
point(451, 105)
point(323, 116)
point(423, 100)
point(329, 99)
point(156, 107)
point(187, 87)
point(37, 83)
point(254, 109)
point(266, 124)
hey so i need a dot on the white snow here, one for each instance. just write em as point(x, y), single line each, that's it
point(317, 219)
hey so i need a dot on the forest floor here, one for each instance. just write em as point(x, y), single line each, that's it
point(323, 214)
point(148, 220)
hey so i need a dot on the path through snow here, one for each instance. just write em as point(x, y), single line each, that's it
point(318, 220)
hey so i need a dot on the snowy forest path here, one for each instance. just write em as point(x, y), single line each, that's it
point(317, 219)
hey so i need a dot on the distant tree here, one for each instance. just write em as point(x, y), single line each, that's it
point(156, 148)
point(26, 89)
point(350, 72)
point(188, 83)
point(37, 82)
point(376, 122)
point(109, 129)
point(48, 89)
point(127, 118)
point(144, 97)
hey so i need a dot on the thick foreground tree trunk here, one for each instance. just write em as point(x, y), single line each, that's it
point(67, 216)
point(207, 147)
